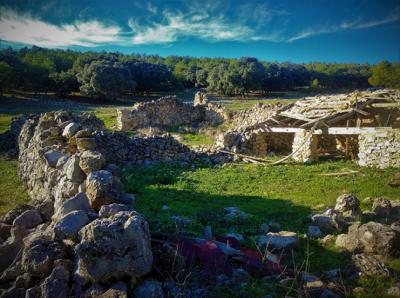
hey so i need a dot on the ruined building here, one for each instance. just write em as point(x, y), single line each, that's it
point(363, 126)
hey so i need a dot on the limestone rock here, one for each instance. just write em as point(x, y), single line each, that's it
point(69, 225)
point(283, 240)
point(56, 285)
point(394, 290)
point(371, 237)
point(52, 157)
point(78, 202)
point(39, 254)
point(382, 207)
point(114, 247)
point(235, 214)
point(327, 223)
point(9, 217)
point(91, 161)
point(149, 289)
point(102, 188)
point(73, 171)
point(109, 210)
point(70, 130)
point(347, 202)
point(86, 144)
point(29, 219)
point(370, 265)
point(117, 290)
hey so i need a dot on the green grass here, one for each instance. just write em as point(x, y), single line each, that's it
point(108, 116)
point(192, 139)
point(5, 122)
point(287, 194)
point(11, 193)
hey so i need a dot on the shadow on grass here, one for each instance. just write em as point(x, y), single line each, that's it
point(168, 185)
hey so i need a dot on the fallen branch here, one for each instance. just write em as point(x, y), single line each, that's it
point(339, 174)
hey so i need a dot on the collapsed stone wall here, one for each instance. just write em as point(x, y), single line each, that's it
point(256, 114)
point(168, 111)
point(79, 237)
point(380, 149)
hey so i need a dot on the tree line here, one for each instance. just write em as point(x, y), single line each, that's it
point(111, 75)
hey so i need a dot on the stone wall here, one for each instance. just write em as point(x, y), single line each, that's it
point(305, 147)
point(168, 111)
point(257, 114)
point(380, 149)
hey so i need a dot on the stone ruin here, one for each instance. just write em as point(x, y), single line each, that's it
point(363, 126)
point(169, 111)
point(79, 237)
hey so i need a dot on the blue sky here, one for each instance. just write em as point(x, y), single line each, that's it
point(285, 30)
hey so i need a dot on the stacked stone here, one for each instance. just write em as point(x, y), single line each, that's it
point(167, 111)
point(81, 229)
point(380, 149)
point(257, 114)
point(305, 147)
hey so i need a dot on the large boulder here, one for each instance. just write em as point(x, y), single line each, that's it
point(91, 161)
point(102, 188)
point(371, 237)
point(114, 247)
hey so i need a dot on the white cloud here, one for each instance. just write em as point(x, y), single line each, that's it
point(199, 25)
point(28, 30)
point(355, 25)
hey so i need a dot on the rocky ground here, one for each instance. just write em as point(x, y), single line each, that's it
point(81, 237)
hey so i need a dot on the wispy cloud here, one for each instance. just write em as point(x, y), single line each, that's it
point(202, 24)
point(354, 25)
point(29, 30)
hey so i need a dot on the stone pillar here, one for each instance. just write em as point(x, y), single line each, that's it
point(309, 150)
point(380, 149)
point(123, 119)
point(261, 146)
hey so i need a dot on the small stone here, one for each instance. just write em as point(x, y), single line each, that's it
point(29, 219)
point(382, 207)
point(91, 161)
point(70, 130)
point(264, 228)
point(117, 290)
point(283, 240)
point(236, 236)
point(347, 202)
point(164, 208)
point(394, 290)
point(314, 232)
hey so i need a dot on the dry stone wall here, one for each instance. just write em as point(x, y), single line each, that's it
point(380, 149)
point(168, 111)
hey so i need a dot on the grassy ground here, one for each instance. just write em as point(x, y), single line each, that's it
point(286, 194)
point(11, 193)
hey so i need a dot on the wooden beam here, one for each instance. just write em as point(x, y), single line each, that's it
point(329, 130)
point(386, 105)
